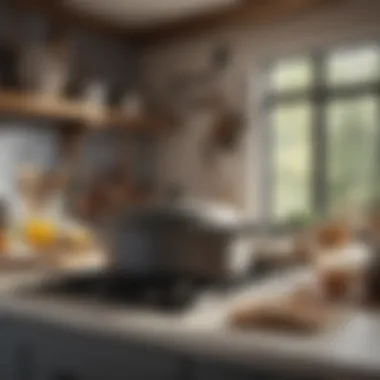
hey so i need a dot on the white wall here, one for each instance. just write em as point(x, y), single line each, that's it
point(236, 176)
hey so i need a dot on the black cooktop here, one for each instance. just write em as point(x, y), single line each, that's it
point(157, 291)
point(164, 292)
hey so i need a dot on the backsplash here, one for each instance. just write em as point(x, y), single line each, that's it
point(24, 143)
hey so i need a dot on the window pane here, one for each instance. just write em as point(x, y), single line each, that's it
point(290, 75)
point(292, 159)
point(352, 141)
point(354, 66)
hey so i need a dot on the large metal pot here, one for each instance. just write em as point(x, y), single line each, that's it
point(170, 239)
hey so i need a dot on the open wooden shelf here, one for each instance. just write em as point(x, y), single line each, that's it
point(14, 103)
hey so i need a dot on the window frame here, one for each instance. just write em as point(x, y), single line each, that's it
point(320, 94)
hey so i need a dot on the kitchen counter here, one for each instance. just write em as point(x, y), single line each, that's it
point(351, 348)
point(26, 262)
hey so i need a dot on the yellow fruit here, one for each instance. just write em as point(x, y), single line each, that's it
point(41, 233)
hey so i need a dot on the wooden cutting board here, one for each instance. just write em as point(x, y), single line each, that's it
point(293, 314)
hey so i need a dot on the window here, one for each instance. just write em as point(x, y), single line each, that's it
point(353, 67)
point(291, 75)
point(324, 121)
point(351, 153)
point(291, 158)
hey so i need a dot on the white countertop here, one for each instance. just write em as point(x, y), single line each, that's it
point(352, 348)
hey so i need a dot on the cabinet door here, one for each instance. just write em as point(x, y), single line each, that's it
point(17, 356)
point(80, 356)
point(221, 371)
point(7, 346)
point(224, 372)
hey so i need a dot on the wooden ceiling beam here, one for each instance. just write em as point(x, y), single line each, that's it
point(63, 16)
point(245, 13)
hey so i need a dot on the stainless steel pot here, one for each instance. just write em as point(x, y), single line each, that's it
point(170, 239)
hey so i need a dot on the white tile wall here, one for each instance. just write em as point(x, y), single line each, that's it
point(24, 143)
